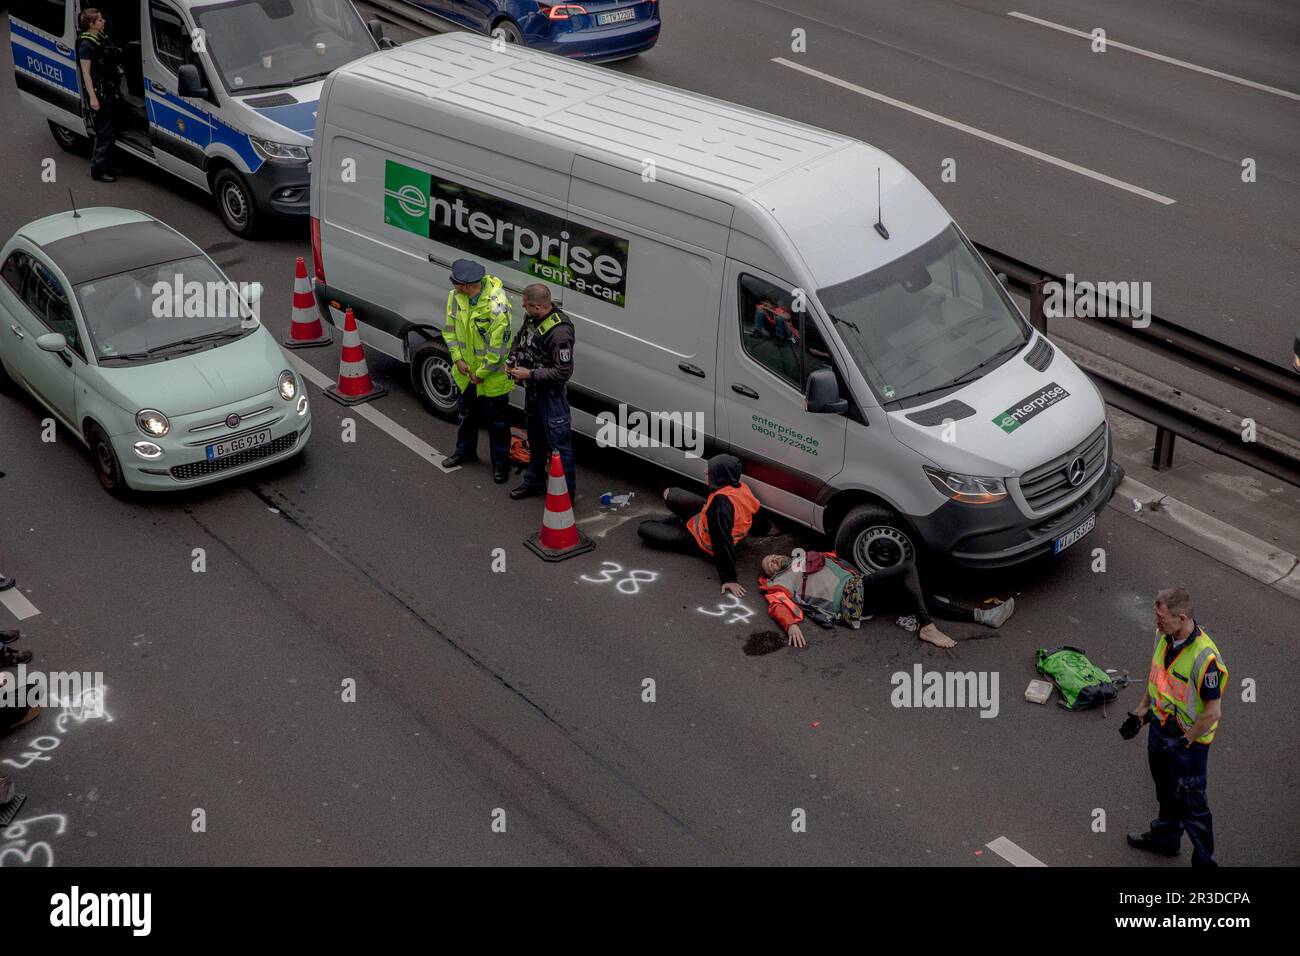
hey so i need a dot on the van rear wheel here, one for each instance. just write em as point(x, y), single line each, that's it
point(432, 381)
point(68, 140)
point(874, 538)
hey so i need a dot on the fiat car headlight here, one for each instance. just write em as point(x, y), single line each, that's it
point(152, 423)
point(288, 386)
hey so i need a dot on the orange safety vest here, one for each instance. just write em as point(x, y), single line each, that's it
point(743, 503)
point(1176, 689)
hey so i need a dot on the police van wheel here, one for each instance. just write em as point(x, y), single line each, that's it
point(874, 538)
point(236, 202)
point(68, 140)
point(431, 378)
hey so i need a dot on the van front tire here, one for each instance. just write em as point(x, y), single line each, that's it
point(432, 381)
point(69, 141)
point(236, 203)
point(874, 538)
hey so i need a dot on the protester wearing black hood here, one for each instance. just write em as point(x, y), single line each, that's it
point(709, 527)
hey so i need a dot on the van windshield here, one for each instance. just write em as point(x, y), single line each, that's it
point(934, 318)
point(269, 44)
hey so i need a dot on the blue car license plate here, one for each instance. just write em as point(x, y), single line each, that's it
point(616, 16)
point(233, 446)
point(1065, 540)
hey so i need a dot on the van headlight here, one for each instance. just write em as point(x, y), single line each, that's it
point(288, 385)
point(152, 423)
point(279, 152)
point(967, 489)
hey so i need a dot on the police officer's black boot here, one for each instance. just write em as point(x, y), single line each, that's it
point(1144, 841)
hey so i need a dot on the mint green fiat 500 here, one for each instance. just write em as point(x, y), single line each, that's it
point(138, 343)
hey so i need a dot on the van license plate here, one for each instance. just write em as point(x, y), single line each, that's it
point(616, 16)
point(235, 445)
point(1065, 540)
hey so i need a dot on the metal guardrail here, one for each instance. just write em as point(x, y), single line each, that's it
point(1172, 412)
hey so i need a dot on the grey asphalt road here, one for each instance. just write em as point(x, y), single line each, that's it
point(523, 691)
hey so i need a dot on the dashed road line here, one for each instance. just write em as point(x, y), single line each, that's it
point(982, 134)
point(1157, 56)
point(378, 419)
point(1012, 853)
point(18, 604)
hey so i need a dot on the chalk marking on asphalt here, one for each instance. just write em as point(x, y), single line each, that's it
point(1012, 853)
point(982, 134)
point(1158, 56)
point(18, 604)
point(378, 419)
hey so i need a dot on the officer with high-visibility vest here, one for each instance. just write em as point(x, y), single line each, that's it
point(1183, 703)
point(477, 333)
point(711, 527)
point(542, 358)
point(101, 73)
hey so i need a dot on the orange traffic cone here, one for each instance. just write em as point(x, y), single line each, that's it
point(354, 385)
point(305, 330)
point(559, 537)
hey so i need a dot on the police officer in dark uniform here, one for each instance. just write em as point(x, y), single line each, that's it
point(542, 358)
point(101, 72)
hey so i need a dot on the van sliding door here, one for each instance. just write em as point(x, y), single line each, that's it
point(645, 274)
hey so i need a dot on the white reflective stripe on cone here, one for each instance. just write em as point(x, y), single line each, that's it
point(558, 520)
point(556, 485)
point(352, 369)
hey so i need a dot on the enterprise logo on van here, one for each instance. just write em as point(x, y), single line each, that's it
point(1028, 407)
point(490, 227)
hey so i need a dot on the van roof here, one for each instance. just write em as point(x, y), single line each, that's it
point(728, 146)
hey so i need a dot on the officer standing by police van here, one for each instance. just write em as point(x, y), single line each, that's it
point(477, 335)
point(1183, 704)
point(542, 358)
point(101, 72)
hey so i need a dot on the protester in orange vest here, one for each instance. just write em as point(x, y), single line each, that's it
point(710, 527)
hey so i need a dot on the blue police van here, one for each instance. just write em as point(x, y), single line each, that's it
point(221, 93)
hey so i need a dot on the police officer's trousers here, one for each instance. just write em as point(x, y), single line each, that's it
point(475, 411)
point(550, 428)
point(102, 162)
point(1180, 775)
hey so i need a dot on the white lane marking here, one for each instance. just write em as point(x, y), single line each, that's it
point(1012, 853)
point(377, 418)
point(1158, 56)
point(18, 604)
point(973, 131)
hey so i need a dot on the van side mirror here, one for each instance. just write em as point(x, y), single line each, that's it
point(188, 84)
point(377, 31)
point(1002, 277)
point(253, 293)
point(822, 394)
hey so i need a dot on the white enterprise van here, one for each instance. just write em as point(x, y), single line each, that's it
point(221, 93)
point(876, 380)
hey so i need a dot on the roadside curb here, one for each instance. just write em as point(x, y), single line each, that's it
point(1246, 553)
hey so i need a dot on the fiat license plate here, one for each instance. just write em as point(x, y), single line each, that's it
point(233, 446)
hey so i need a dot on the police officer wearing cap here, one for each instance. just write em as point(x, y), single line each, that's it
point(542, 358)
point(101, 73)
point(477, 334)
point(1183, 703)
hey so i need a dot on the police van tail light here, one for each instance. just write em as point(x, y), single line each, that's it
point(562, 11)
point(316, 261)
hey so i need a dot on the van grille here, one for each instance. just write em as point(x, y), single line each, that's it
point(200, 469)
point(1047, 484)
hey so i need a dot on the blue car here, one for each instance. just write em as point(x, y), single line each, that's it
point(594, 30)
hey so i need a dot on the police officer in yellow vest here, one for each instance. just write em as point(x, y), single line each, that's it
point(1183, 703)
point(477, 333)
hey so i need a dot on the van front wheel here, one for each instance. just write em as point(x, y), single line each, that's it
point(874, 538)
point(236, 202)
point(68, 140)
point(431, 378)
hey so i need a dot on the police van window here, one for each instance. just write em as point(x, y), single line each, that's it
point(49, 300)
point(15, 271)
point(46, 15)
point(171, 40)
point(769, 328)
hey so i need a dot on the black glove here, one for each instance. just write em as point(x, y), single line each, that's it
point(1129, 729)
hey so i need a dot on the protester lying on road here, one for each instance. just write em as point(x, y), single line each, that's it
point(709, 527)
point(830, 590)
